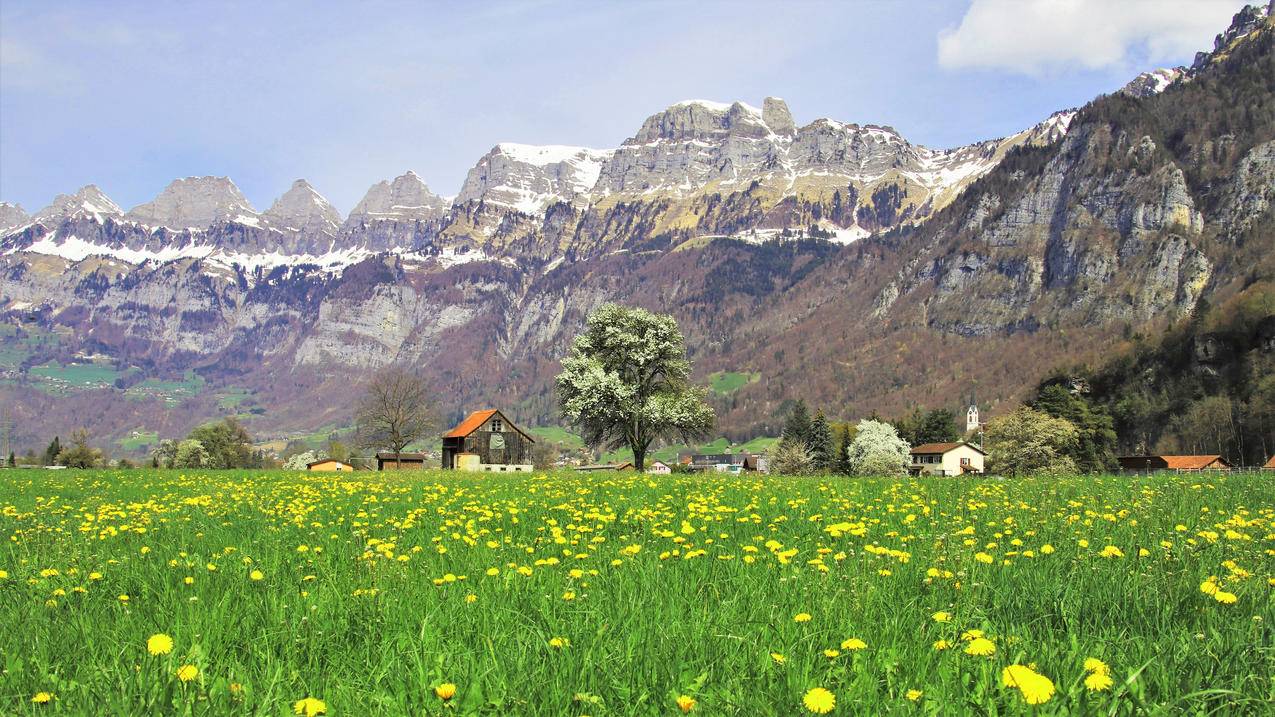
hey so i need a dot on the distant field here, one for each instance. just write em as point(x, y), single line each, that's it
point(142, 439)
point(724, 383)
point(59, 378)
point(556, 434)
point(169, 391)
point(598, 594)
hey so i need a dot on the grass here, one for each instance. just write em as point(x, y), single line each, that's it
point(724, 383)
point(557, 435)
point(375, 589)
point(59, 378)
point(138, 440)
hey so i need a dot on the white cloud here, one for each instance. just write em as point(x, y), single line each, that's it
point(1037, 36)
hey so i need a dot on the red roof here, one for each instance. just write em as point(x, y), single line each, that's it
point(475, 420)
point(1270, 463)
point(1194, 463)
point(943, 447)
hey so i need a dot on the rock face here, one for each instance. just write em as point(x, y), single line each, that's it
point(196, 203)
point(406, 198)
point(11, 217)
point(302, 209)
point(841, 262)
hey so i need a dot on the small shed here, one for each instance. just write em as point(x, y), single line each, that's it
point(389, 461)
point(331, 465)
point(496, 442)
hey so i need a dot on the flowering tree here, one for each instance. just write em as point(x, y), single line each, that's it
point(1028, 441)
point(626, 382)
point(878, 450)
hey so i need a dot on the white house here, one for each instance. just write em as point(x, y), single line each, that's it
point(659, 467)
point(946, 459)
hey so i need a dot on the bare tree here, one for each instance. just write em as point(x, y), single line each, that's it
point(396, 409)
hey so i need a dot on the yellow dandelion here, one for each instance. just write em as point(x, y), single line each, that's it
point(914, 695)
point(42, 698)
point(493, 572)
point(801, 617)
point(984, 558)
point(853, 643)
point(1046, 549)
point(1093, 664)
point(981, 647)
point(569, 595)
point(941, 645)
point(122, 598)
point(309, 707)
point(686, 703)
point(445, 691)
point(159, 644)
point(830, 653)
point(559, 642)
point(1098, 682)
point(778, 658)
point(186, 673)
point(941, 616)
point(1224, 597)
point(1111, 551)
point(973, 634)
point(256, 575)
point(1035, 687)
point(819, 701)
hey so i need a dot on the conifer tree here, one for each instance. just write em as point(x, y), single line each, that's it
point(819, 441)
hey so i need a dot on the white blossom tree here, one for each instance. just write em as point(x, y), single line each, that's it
point(877, 449)
point(1031, 442)
point(626, 383)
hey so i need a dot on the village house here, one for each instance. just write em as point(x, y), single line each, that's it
point(625, 466)
point(389, 461)
point(1151, 464)
point(329, 465)
point(659, 468)
point(487, 441)
point(723, 462)
point(946, 459)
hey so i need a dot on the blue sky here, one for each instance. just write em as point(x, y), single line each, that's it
point(131, 95)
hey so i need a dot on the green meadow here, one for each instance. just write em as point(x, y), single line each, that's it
point(623, 594)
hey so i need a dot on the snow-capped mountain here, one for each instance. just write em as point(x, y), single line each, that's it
point(528, 178)
point(823, 256)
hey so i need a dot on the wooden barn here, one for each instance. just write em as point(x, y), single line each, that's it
point(487, 441)
point(388, 461)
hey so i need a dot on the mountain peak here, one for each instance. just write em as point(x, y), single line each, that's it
point(1248, 19)
point(12, 216)
point(1154, 82)
point(302, 208)
point(407, 197)
point(196, 202)
point(528, 177)
point(89, 200)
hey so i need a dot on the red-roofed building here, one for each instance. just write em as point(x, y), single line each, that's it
point(487, 441)
point(1150, 464)
point(1270, 465)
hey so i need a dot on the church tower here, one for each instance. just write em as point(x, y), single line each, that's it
point(971, 418)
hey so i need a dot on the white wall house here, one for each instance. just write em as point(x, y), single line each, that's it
point(659, 467)
point(946, 459)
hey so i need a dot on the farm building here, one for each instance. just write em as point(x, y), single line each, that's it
point(946, 459)
point(387, 461)
point(487, 441)
point(659, 468)
point(329, 464)
point(1149, 464)
point(625, 466)
point(721, 462)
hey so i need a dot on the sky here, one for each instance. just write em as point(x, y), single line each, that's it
point(130, 95)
